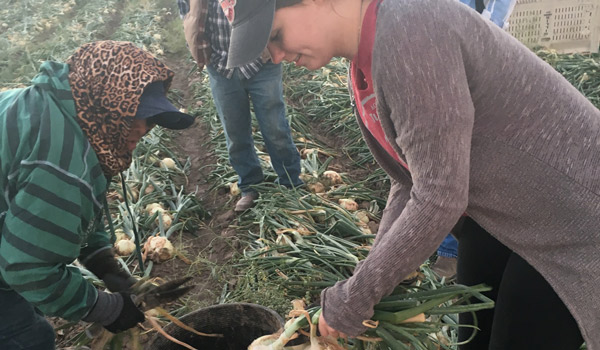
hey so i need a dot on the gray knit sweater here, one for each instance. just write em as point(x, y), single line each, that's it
point(485, 127)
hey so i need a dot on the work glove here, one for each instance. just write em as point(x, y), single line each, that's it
point(104, 265)
point(115, 311)
point(129, 316)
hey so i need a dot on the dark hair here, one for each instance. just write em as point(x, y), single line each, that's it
point(285, 3)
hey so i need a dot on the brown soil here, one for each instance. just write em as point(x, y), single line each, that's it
point(211, 242)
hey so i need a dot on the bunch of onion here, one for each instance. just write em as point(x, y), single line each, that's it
point(291, 331)
point(400, 321)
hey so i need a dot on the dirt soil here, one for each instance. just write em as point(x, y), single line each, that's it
point(213, 242)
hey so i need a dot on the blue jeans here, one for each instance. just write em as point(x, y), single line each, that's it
point(21, 326)
point(232, 99)
point(449, 247)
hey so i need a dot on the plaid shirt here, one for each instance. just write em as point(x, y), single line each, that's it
point(218, 31)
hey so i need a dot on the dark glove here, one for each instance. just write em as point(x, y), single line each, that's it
point(115, 311)
point(130, 316)
point(104, 265)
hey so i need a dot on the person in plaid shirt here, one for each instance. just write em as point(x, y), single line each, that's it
point(208, 31)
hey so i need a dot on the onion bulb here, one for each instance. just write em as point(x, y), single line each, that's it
point(306, 177)
point(153, 208)
point(308, 151)
point(316, 187)
point(167, 220)
point(120, 235)
point(348, 204)
point(234, 190)
point(159, 249)
point(362, 216)
point(333, 177)
point(149, 189)
point(124, 247)
point(168, 163)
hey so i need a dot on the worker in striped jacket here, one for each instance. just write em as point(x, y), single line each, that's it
point(61, 140)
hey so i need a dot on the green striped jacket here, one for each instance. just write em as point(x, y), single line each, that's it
point(52, 190)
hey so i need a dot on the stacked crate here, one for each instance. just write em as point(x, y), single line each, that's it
point(563, 25)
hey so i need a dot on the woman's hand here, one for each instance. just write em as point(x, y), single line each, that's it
point(325, 330)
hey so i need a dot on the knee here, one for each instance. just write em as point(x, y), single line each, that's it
point(45, 332)
point(36, 336)
point(282, 144)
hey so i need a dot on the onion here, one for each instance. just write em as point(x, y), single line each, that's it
point(348, 204)
point(149, 189)
point(120, 235)
point(362, 216)
point(168, 163)
point(167, 220)
point(316, 187)
point(159, 249)
point(307, 151)
point(319, 215)
point(333, 177)
point(265, 158)
point(124, 247)
point(306, 177)
point(154, 207)
point(133, 193)
point(234, 190)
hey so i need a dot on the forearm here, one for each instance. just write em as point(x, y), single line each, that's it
point(411, 239)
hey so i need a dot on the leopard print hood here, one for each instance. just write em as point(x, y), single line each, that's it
point(107, 79)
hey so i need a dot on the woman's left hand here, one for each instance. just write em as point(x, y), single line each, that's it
point(325, 330)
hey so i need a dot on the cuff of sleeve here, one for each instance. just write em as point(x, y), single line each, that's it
point(341, 314)
point(106, 310)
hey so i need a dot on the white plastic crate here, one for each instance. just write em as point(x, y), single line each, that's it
point(564, 25)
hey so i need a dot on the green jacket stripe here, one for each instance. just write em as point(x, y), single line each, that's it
point(11, 127)
point(32, 250)
point(29, 219)
point(51, 198)
point(51, 187)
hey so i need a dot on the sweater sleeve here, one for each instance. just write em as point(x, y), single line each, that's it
point(40, 237)
point(423, 97)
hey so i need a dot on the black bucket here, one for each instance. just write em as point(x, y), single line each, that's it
point(239, 323)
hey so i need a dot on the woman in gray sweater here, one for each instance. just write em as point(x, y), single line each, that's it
point(515, 147)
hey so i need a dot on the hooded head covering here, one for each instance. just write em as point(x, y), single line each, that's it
point(107, 79)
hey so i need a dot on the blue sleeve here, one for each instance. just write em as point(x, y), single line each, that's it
point(184, 7)
point(499, 11)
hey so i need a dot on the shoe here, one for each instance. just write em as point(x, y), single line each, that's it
point(445, 267)
point(246, 202)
